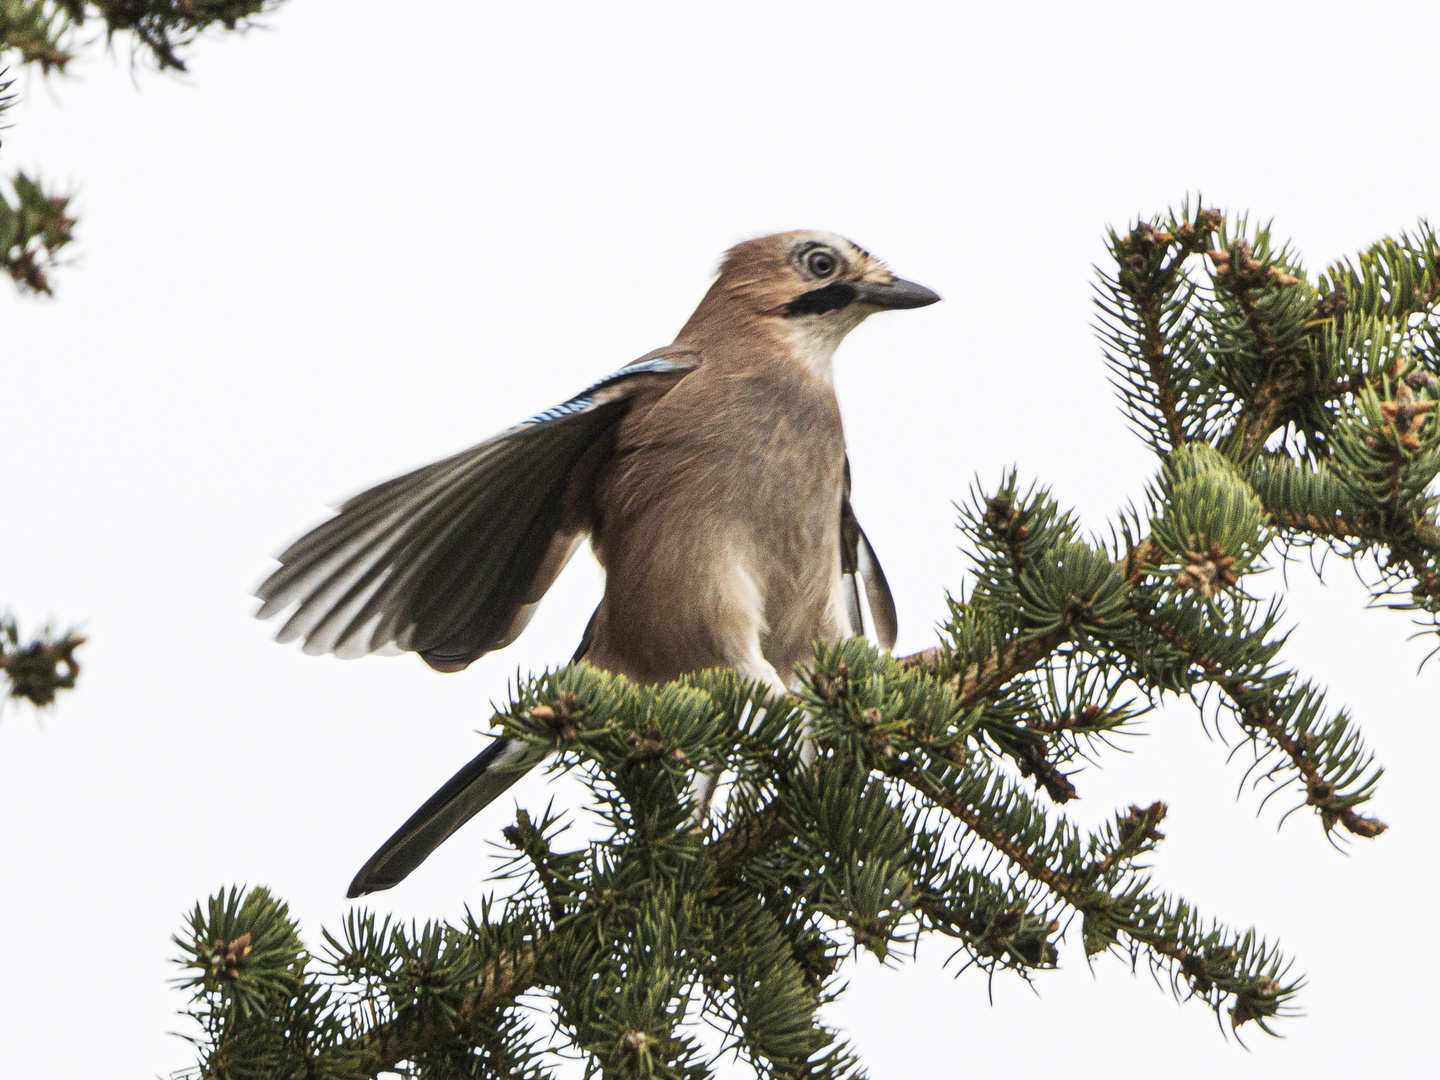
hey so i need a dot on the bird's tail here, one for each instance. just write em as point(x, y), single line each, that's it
point(464, 795)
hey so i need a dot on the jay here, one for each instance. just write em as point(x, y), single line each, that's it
point(710, 477)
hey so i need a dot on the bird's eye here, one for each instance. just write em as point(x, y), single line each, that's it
point(820, 263)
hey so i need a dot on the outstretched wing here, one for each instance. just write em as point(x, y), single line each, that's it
point(450, 560)
point(858, 563)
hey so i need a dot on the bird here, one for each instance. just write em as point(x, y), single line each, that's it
point(710, 477)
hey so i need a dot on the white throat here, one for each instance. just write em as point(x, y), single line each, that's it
point(813, 339)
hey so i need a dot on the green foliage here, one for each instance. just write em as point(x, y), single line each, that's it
point(34, 225)
point(1199, 502)
point(262, 1016)
point(1282, 413)
point(39, 30)
point(36, 670)
point(43, 32)
point(1319, 394)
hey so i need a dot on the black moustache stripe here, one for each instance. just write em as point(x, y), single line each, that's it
point(832, 297)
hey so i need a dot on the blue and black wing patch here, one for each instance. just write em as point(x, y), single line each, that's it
point(621, 385)
point(450, 560)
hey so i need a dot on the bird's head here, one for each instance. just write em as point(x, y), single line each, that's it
point(810, 288)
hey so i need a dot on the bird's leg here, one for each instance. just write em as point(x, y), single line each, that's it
point(755, 668)
point(837, 627)
point(702, 794)
point(751, 665)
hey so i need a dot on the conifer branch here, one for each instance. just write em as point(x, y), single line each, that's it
point(1262, 711)
point(992, 674)
point(38, 31)
point(35, 226)
point(37, 670)
point(415, 1033)
point(530, 840)
point(1241, 277)
point(41, 30)
point(733, 849)
point(1214, 965)
point(1150, 337)
point(907, 820)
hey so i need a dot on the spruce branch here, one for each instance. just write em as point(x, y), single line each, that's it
point(1095, 877)
point(1112, 897)
point(749, 838)
point(1150, 336)
point(34, 227)
point(972, 684)
point(1328, 757)
point(1202, 502)
point(1259, 323)
point(43, 31)
point(38, 669)
point(39, 30)
point(413, 1033)
point(532, 841)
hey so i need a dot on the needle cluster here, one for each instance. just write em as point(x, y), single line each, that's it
point(37, 669)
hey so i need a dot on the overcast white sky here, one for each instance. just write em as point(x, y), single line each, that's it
point(368, 237)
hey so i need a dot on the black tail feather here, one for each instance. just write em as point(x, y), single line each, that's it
point(488, 776)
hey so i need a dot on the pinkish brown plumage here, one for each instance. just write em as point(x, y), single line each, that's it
point(710, 477)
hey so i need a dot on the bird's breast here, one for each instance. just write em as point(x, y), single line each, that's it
point(727, 475)
point(759, 450)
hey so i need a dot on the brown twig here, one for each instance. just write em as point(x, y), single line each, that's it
point(994, 673)
point(1078, 891)
point(1259, 717)
point(733, 849)
point(524, 836)
point(414, 1032)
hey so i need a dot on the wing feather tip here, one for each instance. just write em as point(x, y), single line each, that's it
point(352, 650)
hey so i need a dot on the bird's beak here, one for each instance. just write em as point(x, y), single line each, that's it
point(898, 293)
